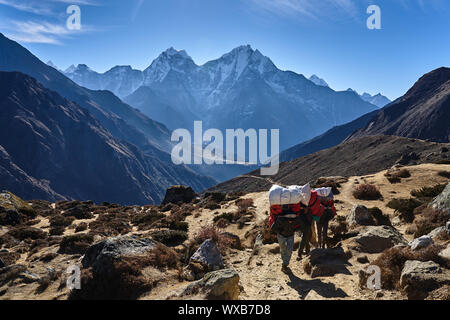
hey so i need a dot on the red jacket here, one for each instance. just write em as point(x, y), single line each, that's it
point(315, 206)
point(329, 204)
point(275, 210)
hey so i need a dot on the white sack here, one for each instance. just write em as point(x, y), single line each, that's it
point(275, 194)
point(323, 192)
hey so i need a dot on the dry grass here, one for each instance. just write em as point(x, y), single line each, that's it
point(430, 219)
point(367, 192)
point(76, 244)
point(396, 176)
point(405, 207)
point(392, 261)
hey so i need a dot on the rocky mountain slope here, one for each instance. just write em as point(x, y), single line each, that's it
point(120, 119)
point(359, 156)
point(423, 112)
point(167, 252)
point(53, 149)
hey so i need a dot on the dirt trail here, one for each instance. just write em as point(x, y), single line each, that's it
point(263, 279)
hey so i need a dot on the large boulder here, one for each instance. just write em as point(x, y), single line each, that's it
point(327, 262)
point(102, 255)
point(435, 232)
point(208, 255)
point(442, 201)
point(375, 239)
point(177, 194)
point(217, 285)
point(14, 210)
point(419, 278)
point(359, 216)
point(421, 242)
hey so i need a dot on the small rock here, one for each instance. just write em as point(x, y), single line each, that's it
point(29, 277)
point(445, 253)
point(447, 226)
point(419, 278)
point(209, 255)
point(359, 215)
point(379, 294)
point(375, 239)
point(421, 242)
point(177, 194)
point(327, 262)
point(312, 295)
point(435, 232)
point(362, 259)
point(217, 285)
point(442, 201)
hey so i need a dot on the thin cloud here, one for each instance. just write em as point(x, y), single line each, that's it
point(41, 31)
point(312, 9)
point(31, 7)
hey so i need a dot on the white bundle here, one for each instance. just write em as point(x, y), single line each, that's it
point(323, 192)
point(290, 195)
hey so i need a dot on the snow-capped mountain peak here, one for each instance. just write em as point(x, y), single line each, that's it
point(70, 69)
point(318, 81)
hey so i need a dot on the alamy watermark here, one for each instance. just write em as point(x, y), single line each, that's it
point(73, 22)
point(374, 280)
point(374, 20)
point(74, 280)
point(208, 147)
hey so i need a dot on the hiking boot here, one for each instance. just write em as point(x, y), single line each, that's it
point(285, 269)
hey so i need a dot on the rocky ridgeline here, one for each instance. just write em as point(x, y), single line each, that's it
point(126, 252)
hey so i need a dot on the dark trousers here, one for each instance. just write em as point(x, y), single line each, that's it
point(322, 226)
point(305, 228)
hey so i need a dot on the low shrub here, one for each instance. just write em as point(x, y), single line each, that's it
point(397, 175)
point(405, 207)
point(22, 233)
point(57, 230)
point(392, 261)
point(445, 174)
point(111, 224)
point(426, 194)
point(76, 244)
point(81, 227)
point(244, 204)
point(430, 219)
point(170, 237)
point(61, 221)
point(215, 234)
point(380, 218)
point(367, 192)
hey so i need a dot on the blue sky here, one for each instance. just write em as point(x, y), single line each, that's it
point(327, 37)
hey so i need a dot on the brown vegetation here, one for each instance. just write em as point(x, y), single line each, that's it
point(367, 192)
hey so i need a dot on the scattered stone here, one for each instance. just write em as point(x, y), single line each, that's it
point(447, 227)
point(312, 295)
point(445, 253)
point(421, 242)
point(362, 259)
point(435, 232)
point(442, 201)
point(208, 255)
point(235, 241)
point(375, 239)
point(29, 277)
point(177, 194)
point(327, 262)
point(419, 278)
point(217, 285)
point(359, 215)
point(100, 256)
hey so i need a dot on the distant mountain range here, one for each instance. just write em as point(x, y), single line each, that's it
point(422, 113)
point(379, 100)
point(128, 144)
point(241, 89)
